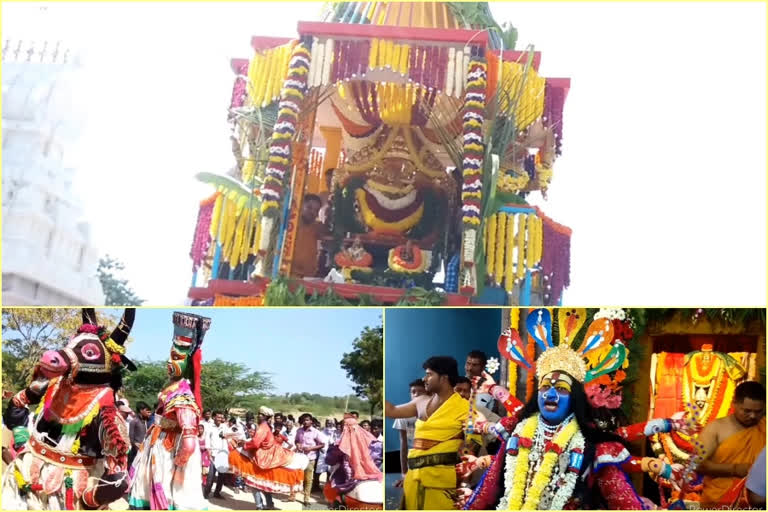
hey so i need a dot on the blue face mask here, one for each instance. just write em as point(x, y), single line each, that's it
point(549, 394)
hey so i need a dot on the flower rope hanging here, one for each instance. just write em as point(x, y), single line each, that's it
point(472, 172)
point(202, 238)
point(279, 163)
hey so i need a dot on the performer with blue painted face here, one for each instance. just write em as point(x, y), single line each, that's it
point(554, 457)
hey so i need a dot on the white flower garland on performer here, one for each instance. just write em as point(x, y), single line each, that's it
point(611, 314)
point(559, 494)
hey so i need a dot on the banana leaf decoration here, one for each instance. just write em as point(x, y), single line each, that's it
point(610, 363)
point(232, 189)
point(569, 322)
point(539, 324)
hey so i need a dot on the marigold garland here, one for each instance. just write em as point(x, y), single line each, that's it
point(520, 468)
point(528, 91)
point(489, 229)
point(265, 73)
point(534, 241)
point(201, 240)
point(501, 227)
point(509, 281)
point(531, 377)
point(474, 106)
point(224, 300)
point(377, 224)
point(512, 183)
point(543, 177)
point(544, 474)
point(520, 272)
point(421, 260)
point(514, 323)
point(280, 147)
point(216, 216)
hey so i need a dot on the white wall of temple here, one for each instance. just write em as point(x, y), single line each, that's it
point(47, 256)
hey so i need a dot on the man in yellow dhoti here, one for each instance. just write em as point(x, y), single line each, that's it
point(731, 445)
point(430, 483)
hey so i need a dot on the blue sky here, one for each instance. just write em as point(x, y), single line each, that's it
point(301, 348)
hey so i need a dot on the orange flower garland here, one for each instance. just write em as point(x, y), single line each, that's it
point(531, 382)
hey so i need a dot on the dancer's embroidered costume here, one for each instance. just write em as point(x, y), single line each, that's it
point(166, 473)
point(76, 453)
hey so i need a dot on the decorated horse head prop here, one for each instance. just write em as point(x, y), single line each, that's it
point(76, 454)
point(93, 355)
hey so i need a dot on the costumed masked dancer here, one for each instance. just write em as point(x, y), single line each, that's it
point(166, 473)
point(266, 466)
point(355, 481)
point(555, 458)
point(655, 467)
point(76, 453)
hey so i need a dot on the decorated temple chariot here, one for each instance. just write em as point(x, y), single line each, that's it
point(387, 154)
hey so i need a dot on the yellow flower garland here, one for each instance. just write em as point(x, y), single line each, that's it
point(232, 255)
point(395, 263)
point(377, 224)
point(543, 176)
point(405, 54)
point(501, 224)
point(514, 323)
point(534, 240)
point(509, 280)
point(215, 216)
point(529, 249)
point(544, 474)
point(512, 184)
point(521, 468)
point(520, 246)
point(248, 170)
point(489, 235)
point(113, 347)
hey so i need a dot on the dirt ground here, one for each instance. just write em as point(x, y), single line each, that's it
point(244, 501)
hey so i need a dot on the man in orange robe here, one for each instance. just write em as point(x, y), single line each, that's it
point(308, 234)
point(266, 466)
point(731, 445)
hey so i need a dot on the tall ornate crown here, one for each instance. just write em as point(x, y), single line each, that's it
point(563, 357)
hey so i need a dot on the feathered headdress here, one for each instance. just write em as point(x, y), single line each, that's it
point(562, 356)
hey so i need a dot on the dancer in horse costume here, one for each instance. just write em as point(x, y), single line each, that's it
point(77, 451)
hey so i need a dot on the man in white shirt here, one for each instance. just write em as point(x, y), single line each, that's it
point(218, 449)
point(289, 433)
point(407, 427)
point(207, 420)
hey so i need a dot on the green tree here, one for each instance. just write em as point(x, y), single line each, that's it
point(116, 291)
point(225, 385)
point(145, 383)
point(364, 365)
point(27, 333)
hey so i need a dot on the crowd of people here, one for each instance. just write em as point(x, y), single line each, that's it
point(220, 435)
point(468, 443)
point(77, 444)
